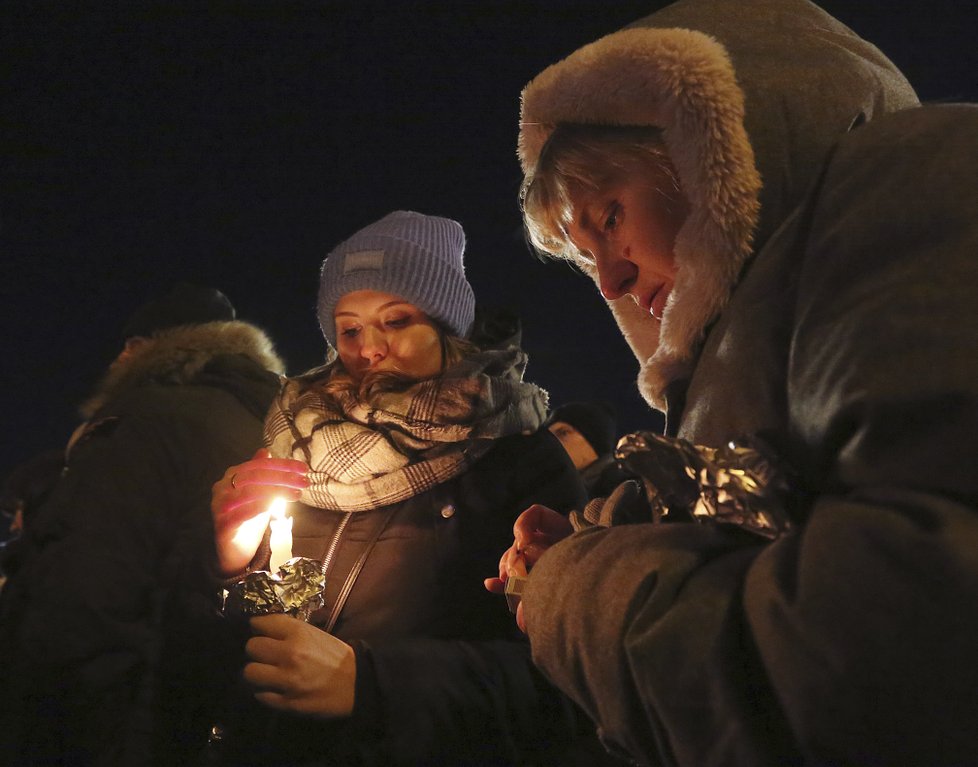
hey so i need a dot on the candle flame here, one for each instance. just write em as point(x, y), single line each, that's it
point(250, 530)
point(277, 508)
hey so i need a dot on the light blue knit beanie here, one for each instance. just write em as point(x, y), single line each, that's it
point(408, 254)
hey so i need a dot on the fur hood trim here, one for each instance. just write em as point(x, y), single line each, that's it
point(177, 356)
point(683, 82)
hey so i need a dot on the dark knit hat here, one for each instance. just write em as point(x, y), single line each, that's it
point(407, 254)
point(596, 421)
point(185, 304)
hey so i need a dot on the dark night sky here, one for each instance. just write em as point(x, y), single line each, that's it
point(233, 144)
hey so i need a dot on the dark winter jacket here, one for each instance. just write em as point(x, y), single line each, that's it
point(113, 589)
point(443, 676)
point(843, 332)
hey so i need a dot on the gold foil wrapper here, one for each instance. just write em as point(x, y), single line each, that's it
point(296, 590)
point(738, 484)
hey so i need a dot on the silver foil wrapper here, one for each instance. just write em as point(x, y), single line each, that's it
point(737, 484)
point(296, 590)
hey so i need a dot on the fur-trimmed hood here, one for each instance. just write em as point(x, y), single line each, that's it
point(751, 96)
point(180, 355)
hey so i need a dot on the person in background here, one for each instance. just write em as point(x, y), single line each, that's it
point(588, 432)
point(108, 612)
point(407, 457)
point(787, 240)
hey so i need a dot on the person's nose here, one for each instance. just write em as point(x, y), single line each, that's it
point(374, 345)
point(616, 274)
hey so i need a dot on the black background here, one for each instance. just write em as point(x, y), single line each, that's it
point(234, 144)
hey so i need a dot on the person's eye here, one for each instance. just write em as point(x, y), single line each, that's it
point(350, 332)
point(397, 322)
point(612, 217)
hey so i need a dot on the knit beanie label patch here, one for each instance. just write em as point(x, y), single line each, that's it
point(363, 261)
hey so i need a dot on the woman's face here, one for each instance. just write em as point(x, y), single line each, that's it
point(380, 331)
point(628, 230)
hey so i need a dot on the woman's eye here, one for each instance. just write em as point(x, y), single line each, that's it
point(349, 332)
point(397, 322)
point(612, 219)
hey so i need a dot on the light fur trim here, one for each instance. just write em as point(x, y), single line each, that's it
point(178, 354)
point(683, 82)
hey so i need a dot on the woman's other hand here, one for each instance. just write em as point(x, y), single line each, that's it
point(297, 667)
point(240, 503)
point(535, 530)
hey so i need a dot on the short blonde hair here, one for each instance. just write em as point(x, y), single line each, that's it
point(580, 157)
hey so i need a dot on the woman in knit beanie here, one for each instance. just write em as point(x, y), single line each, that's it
point(407, 457)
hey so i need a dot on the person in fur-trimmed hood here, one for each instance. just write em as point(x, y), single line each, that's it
point(787, 240)
point(106, 625)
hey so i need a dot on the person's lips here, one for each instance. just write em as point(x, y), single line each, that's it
point(658, 303)
point(644, 301)
point(654, 302)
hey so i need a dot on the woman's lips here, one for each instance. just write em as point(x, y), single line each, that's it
point(659, 299)
point(655, 302)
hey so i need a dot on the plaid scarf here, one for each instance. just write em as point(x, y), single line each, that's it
point(364, 455)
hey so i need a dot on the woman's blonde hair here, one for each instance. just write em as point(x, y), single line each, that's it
point(577, 158)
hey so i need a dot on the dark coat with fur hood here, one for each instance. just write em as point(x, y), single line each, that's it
point(104, 626)
point(825, 301)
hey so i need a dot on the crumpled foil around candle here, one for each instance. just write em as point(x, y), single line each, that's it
point(296, 590)
point(738, 484)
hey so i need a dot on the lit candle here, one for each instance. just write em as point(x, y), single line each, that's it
point(281, 539)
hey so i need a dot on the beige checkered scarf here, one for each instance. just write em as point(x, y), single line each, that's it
point(366, 455)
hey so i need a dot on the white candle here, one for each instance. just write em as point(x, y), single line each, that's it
point(281, 539)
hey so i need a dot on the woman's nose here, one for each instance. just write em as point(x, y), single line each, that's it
point(616, 274)
point(374, 345)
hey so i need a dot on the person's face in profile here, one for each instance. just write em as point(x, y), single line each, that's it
point(577, 447)
point(628, 229)
point(382, 332)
